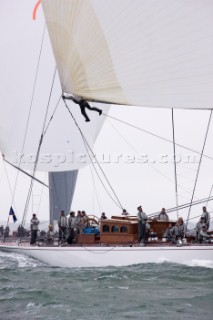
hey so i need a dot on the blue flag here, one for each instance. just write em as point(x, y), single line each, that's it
point(14, 218)
point(12, 213)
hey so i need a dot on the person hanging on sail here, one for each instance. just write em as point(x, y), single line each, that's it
point(83, 104)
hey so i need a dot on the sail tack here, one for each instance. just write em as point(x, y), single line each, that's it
point(136, 52)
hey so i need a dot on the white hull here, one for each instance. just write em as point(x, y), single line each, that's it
point(78, 257)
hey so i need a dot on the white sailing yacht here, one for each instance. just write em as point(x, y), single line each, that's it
point(151, 54)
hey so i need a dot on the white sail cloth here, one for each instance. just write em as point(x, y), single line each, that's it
point(136, 52)
point(62, 148)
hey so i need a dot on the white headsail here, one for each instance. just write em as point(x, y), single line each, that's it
point(63, 151)
point(63, 148)
point(135, 52)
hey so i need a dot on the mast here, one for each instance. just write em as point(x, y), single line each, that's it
point(62, 187)
point(175, 165)
point(199, 165)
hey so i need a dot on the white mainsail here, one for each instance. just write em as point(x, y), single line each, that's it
point(135, 52)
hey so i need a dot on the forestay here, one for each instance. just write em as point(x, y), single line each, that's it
point(136, 52)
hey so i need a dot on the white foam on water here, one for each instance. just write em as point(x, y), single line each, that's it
point(192, 263)
point(31, 306)
point(150, 279)
point(199, 263)
point(108, 276)
point(162, 260)
point(22, 261)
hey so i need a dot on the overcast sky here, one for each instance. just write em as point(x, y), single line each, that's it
point(138, 165)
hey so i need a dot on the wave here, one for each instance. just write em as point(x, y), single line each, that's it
point(15, 260)
point(11, 260)
point(200, 263)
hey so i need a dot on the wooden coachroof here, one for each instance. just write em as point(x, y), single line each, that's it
point(123, 230)
point(119, 230)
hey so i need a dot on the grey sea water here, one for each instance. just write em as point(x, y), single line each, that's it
point(32, 290)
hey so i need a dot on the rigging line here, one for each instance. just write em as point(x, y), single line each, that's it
point(209, 195)
point(88, 147)
point(183, 206)
point(118, 205)
point(51, 118)
point(199, 165)
point(188, 204)
point(1, 175)
point(200, 215)
point(96, 171)
point(99, 166)
point(155, 169)
point(156, 136)
point(8, 180)
point(175, 164)
point(65, 187)
point(96, 193)
point(39, 204)
point(93, 196)
point(38, 152)
point(133, 148)
point(29, 113)
point(86, 144)
point(26, 173)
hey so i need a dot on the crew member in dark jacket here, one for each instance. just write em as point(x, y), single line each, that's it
point(62, 226)
point(83, 104)
point(142, 219)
